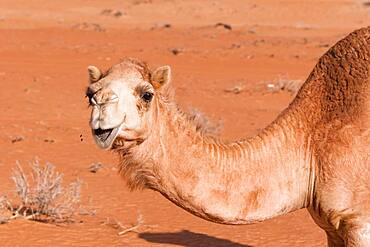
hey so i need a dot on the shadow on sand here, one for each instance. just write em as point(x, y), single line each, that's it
point(188, 239)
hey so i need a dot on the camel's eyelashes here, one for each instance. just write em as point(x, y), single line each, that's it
point(147, 96)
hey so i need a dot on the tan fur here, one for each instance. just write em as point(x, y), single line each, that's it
point(315, 155)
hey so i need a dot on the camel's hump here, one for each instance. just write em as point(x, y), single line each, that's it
point(338, 86)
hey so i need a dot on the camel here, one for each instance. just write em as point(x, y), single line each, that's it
point(314, 155)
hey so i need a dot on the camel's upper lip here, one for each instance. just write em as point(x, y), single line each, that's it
point(105, 137)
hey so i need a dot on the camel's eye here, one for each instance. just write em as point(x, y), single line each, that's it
point(89, 94)
point(91, 99)
point(147, 96)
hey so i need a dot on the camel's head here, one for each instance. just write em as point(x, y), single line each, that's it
point(122, 100)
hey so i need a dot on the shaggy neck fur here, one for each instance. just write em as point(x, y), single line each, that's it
point(234, 183)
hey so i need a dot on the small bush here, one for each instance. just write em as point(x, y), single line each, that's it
point(281, 84)
point(204, 124)
point(41, 196)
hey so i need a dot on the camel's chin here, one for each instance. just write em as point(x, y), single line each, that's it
point(104, 138)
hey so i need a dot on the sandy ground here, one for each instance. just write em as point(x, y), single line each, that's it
point(45, 47)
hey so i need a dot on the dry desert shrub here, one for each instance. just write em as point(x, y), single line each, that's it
point(41, 196)
point(122, 229)
point(291, 86)
point(204, 124)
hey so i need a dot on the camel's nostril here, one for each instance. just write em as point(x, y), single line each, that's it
point(113, 98)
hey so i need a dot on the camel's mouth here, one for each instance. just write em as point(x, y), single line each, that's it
point(105, 137)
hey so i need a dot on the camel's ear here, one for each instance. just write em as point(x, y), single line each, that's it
point(161, 76)
point(94, 73)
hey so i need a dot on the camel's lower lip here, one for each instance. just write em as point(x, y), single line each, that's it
point(105, 137)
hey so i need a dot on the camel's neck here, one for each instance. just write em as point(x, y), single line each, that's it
point(236, 183)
